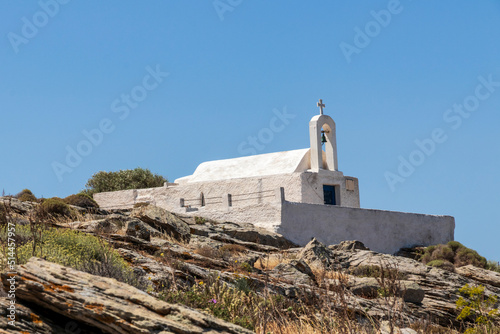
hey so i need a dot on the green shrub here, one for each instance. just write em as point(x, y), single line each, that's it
point(24, 191)
point(27, 198)
point(78, 250)
point(122, 180)
point(56, 206)
point(476, 306)
point(493, 266)
point(199, 220)
point(454, 245)
point(453, 253)
point(81, 200)
point(221, 300)
point(442, 264)
point(467, 256)
point(240, 304)
point(443, 252)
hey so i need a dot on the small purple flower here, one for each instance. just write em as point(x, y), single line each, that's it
point(213, 301)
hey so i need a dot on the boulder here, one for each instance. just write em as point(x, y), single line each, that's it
point(138, 229)
point(106, 304)
point(412, 292)
point(316, 255)
point(366, 287)
point(295, 272)
point(163, 221)
point(349, 246)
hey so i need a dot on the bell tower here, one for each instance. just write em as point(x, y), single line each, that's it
point(322, 131)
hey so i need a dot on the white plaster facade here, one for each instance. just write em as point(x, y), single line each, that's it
point(288, 192)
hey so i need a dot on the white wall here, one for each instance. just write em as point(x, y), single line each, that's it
point(312, 188)
point(245, 192)
point(381, 231)
point(251, 208)
point(299, 219)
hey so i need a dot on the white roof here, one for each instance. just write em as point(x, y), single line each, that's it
point(252, 166)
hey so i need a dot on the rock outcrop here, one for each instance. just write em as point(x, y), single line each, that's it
point(164, 249)
point(163, 221)
point(103, 304)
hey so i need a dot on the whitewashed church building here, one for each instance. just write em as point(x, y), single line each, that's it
point(300, 194)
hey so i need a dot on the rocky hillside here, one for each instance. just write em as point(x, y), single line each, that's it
point(189, 275)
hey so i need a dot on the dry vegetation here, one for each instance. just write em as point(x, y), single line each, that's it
point(327, 308)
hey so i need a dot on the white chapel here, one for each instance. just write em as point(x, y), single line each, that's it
point(307, 175)
point(300, 194)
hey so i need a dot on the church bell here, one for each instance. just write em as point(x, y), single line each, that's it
point(323, 137)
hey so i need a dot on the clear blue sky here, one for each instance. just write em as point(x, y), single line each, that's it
point(389, 72)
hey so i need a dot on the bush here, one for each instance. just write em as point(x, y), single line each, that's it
point(476, 306)
point(199, 220)
point(493, 266)
point(453, 253)
point(467, 256)
point(56, 206)
point(24, 191)
point(78, 250)
point(221, 300)
point(122, 180)
point(442, 264)
point(81, 200)
point(27, 198)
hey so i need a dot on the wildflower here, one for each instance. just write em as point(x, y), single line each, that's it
point(161, 254)
point(235, 261)
point(201, 283)
point(213, 301)
point(149, 278)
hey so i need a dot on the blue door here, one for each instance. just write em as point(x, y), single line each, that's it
point(329, 195)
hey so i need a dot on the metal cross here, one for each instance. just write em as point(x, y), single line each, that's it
point(321, 106)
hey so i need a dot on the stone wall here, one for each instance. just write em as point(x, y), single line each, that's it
point(381, 231)
point(301, 217)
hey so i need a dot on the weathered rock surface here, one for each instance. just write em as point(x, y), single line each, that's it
point(163, 221)
point(439, 287)
point(481, 275)
point(138, 229)
point(294, 272)
point(16, 205)
point(349, 246)
point(366, 287)
point(243, 232)
point(317, 255)
point(199, 250)
point(105, 304)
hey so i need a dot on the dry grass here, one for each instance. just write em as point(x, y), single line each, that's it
point(304, 326)
point(270, 261)
point(233, 249)
point(207, 251)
